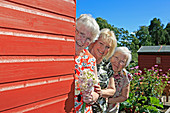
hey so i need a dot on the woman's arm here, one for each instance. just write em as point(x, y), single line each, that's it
point(123, 97)
point(110, 91)
point(95, 71)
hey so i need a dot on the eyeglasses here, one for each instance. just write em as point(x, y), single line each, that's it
point(121, 62)
point(81, 34)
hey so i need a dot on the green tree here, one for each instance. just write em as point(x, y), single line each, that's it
point(122, 35)
point(134, 47)
point(143, 35)
point(157, 32)
point(167, 34)
point(104, 24)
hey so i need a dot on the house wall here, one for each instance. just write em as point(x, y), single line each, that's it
point(37, 56)
point(148, 61)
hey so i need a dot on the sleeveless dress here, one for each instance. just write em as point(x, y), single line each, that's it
point(82, 62)
point(121, 80)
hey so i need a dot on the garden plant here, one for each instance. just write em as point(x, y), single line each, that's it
point(146, 90)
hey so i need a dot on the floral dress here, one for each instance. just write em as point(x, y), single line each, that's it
point(104, 73)
point(84, 61)
point(121, 80)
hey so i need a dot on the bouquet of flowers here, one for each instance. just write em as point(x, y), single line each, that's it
point(86, 82)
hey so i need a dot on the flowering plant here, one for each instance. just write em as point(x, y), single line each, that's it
point(146, 90)
point(86, 82)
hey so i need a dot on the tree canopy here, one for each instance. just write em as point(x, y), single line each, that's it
point(154, 34)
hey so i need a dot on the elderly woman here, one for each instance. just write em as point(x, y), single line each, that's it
point(102, 49)
point(119, 61)
point(86, 31)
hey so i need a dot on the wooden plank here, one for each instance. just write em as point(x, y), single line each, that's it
point(15, 42)
point(65, 7)
point(15, 68)
point(25, 92)
point(53, 105)
point(26, 18)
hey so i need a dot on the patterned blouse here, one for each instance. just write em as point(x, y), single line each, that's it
point(84, 61)
point(104, 74)
point(121, 80)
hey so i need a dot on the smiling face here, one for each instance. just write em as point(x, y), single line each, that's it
point(118, 61)
point(83, 39)
point(101, 48)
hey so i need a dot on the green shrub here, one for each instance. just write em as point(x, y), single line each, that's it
point(146, 90)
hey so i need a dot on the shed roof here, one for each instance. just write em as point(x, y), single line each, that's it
point(154, 49)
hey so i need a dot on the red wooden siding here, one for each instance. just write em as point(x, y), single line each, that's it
point(147, 61)
point(64, 7)
point(37, 56)
point(26, 18)
point(15, 42)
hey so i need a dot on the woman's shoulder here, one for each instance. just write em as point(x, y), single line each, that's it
point(127, 75)
point(105, 66)
point(88, 53)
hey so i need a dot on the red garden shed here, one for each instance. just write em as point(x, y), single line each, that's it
point(37, 56)
point(149, 56)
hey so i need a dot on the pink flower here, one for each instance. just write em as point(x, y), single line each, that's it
point(132, 68)
point(153, 68)
point(140, 71)
point(149, 69)
point(164, 75)
point(141, 78)
point(168, 82)
point(136, 67)
point(160, 69)
point(156, 65)
point(156, 70)
point(136, 73)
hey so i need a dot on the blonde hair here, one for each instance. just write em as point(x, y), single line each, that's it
point(86, 20)
point(110, 37)
point(125, 51)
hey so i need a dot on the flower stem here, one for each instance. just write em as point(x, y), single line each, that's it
point(83, 107)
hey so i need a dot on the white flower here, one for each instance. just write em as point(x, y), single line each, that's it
point(87, 80)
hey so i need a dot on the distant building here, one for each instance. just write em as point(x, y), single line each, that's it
point(149, 56)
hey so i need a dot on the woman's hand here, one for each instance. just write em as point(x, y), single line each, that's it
point(98, 90)
point(90, 97)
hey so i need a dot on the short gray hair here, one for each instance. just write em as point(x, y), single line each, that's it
point(90, 23)
point(125, 51)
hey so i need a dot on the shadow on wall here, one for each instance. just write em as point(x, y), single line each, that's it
point(69, 103)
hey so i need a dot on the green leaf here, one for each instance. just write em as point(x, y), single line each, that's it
point(155, 101)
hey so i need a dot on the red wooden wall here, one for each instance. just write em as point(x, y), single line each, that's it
point(37, 56)
point(148, 61)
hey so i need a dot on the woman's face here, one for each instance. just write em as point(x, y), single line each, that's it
point(101, 48)
point(83, 39)
point(118, 61)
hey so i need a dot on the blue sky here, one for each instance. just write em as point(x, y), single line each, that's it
point(127, 14)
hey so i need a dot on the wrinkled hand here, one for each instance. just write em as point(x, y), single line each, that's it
point(87, 97)
point(90, 97)
point(97, 89)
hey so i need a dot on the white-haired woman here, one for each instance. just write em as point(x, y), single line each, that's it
point(87, 30)
point(122, 78)
point(102, 49)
